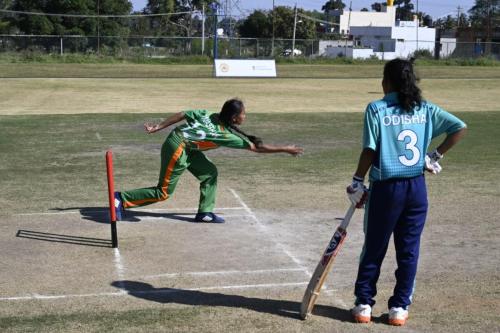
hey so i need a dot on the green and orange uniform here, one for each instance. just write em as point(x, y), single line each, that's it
point(183, 149)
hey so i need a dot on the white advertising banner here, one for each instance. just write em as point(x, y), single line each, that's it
point(244, 68)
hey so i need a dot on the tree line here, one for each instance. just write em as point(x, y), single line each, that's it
point(277, 23)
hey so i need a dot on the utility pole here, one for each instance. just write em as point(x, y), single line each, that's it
point(459, 9)
point(272, 40)
point(203, 29)
point(488, 30)
point(215, 7)
point(348, 32)
point(418, 23)
point(294, 30)
point(98, 31)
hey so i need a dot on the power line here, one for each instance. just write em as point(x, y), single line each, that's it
point(315, 19)
point(93, 15)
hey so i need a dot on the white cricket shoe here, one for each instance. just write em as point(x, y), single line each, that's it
point(362, 313)
point(397, 316)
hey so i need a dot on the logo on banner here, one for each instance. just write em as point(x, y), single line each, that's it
point(224, 68)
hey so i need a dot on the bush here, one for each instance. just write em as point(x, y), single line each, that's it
point(423, 54)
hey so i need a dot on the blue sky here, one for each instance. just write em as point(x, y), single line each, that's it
point(435, 8)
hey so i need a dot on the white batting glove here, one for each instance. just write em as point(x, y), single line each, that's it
point(357, 192)
point(432, 162)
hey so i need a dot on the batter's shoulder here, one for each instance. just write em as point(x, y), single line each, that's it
point(431, 107)
point(376, 106)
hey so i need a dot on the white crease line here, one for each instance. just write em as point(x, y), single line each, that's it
point(266, 230)
point(120, 270)
point(37, 296)
point(58, 213)
point(98, 136)
point(156, 291)
point(181, 209)
point(105, 210)
point(259, 271)
point(162, 218)
point(247, 286)
point(241, 286)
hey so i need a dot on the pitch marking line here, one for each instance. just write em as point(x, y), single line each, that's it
point(259, 271)
point(266, 231)
point(104, 210)
point(162, 218)
point(125, 292)
point(120, 269)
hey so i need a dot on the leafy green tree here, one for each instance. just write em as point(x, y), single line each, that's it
point(257, 25)
point(111, 26)
point(377, 6)
point(5, 4)
point(446, 23)
point(161, 25)
point(284, 21)
point(65, 25)
point(425, 19)
point(485, 14)
point(330, 6)
point(5, 22)
point(405, 9)
point(61, 25)
point(333, 5)
point(32, 24)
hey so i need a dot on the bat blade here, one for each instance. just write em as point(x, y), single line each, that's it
point(323, 268)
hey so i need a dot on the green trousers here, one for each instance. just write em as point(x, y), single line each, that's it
point(175, 159)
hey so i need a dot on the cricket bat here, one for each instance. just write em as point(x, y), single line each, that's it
point(324, 265)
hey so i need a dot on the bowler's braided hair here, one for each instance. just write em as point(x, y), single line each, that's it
point(230, 109)
point(400, 74)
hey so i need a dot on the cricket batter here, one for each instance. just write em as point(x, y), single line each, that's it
point(183, 149)
point(397, 133)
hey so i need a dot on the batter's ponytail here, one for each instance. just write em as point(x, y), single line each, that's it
point(232, 108)
point(400, 74)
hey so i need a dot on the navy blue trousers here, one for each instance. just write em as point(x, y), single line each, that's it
point(399, 207)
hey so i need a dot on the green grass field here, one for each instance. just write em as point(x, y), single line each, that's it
point(56, 158)
point(54, 133)
point(314, 70)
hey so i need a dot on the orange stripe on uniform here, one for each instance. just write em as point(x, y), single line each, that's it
point(170, 168)
point(204, 145)
point(138, 203)
point(166, 180)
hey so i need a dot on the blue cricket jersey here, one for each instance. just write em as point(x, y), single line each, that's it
point(401, 139)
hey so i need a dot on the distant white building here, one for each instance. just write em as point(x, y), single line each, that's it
point(397, 41)
point(385, 18)
point(448, 46)
point(324, 45)
point(379, 34)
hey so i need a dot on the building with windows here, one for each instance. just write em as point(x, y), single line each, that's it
point(379, 34)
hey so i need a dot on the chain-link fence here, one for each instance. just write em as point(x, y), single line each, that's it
point(164, 47)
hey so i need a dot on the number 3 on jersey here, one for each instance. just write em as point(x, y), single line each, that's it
point(409, 146)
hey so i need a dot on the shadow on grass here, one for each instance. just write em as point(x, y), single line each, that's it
point(58, 238)
point(283, 308)
point(101, 215)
